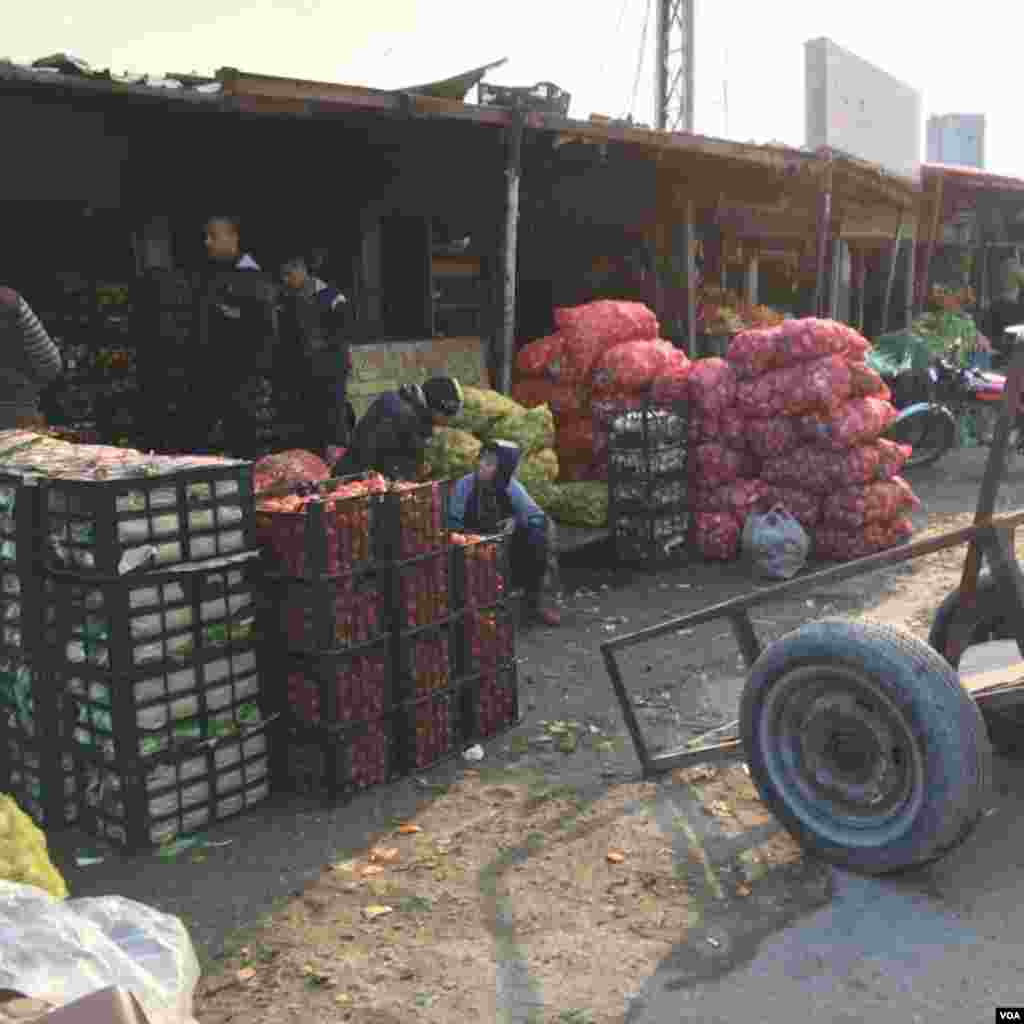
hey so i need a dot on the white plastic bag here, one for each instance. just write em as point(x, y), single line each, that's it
point(776, 544)
point(61, 951)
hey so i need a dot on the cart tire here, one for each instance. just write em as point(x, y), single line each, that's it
point(989, 614)
point(931, 434)
point(864, 745)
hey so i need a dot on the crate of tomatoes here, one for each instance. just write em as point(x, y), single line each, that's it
point(331, 615)
point(480, 570)
point(341, 688)
point(487, 640)
point(321, 529)
point(490, 703)
point(335, 764)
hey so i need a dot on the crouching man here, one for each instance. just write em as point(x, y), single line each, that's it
point(490, 500)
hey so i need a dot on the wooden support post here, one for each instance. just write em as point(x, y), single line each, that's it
point(836, 277)
point(824, 219)
point(933, 234)
point(862, 288)
point(513, 169)
point(752, 280)
point(891, 281)
point(689, 245)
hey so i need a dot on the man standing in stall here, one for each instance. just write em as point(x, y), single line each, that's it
point(238, 337)
point(314, 359)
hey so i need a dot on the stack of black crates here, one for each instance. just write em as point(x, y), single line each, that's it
point(379, 622)
point(648, 499)
point(131, 689)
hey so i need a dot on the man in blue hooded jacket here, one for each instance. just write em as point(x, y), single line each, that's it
point(491, 499)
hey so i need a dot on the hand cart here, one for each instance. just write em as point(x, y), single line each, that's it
point(864, 741)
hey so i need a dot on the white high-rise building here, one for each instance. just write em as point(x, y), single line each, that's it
point(957, 139)
point(857, 108)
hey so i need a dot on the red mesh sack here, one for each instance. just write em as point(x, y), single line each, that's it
point(820, 386)
point(712, 387)
point(866, 383)
point(612, 321)
point(855, 346)
point(858, 422)
point(717, 465)
point(839, 545)
point(880, 502)
point(740, 497)
point(574, 437)
point(755, 351)
point(718, 535)
point(287, 469)
point(541, 357)
point(630, 368)
point(804, 506)
point(892, 457)
point(732, 428)
point(770, 438)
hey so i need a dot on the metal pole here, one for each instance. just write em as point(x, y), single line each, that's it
point(513, 170)
point(862, 288)
point(891, 282)
point(661, 67)
point(689, 242)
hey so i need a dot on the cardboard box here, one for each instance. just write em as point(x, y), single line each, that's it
point(107, 1006)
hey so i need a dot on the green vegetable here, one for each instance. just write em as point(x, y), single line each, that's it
point(532, 431)
point(576, 504)
point(451, 453)
point(481, 408)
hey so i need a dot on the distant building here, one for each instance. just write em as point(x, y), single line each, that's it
point(854, 107)
point(957, 139)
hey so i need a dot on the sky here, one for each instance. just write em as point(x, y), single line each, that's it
point(751, 53)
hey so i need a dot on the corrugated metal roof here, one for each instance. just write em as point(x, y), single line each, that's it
point(973, 177)
point(234, 90)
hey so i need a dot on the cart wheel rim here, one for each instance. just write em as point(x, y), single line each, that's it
point(842, 755)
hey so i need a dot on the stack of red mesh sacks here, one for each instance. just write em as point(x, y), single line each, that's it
point(604, 352)
point(793, 417)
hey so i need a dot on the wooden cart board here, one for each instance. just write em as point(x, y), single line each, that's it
point(385, 366)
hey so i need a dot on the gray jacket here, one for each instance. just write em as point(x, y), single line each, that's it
point(29, 360)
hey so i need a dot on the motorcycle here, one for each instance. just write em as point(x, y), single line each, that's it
point(932, 403)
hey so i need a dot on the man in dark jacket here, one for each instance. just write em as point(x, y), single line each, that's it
point(491, 499)
point(392, 437)
point(30, 360)
point(314, 358)
point(238, 335)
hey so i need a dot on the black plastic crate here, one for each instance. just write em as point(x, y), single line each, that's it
point(412, 521)
point(646, 538)
point(31, 768)
point(141, 804)
point(647, 425)
point(486, 640)
point(330, 536)
point(112, 527)
point(431, 729)
point(335, 764)
point(544, 97)
point(39, 777)
point(654, 494)
point(480, 571)
point(115, 627)
point(426, 661)
point(489, 703)
point(327, 615)
point(419, 592)
point(339, 688)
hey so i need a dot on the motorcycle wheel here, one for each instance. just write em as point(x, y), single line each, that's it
point(931, 433)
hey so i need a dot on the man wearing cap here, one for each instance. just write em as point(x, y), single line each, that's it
point(392, 437)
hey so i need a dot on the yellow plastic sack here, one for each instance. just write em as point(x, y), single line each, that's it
point(532, 430)
point(24, 856)
point(481, 408)
point(451, 454)
point(538, 469)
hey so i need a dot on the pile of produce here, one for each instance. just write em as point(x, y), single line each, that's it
point(24, 856)
point(794, 417)
point(605, 355)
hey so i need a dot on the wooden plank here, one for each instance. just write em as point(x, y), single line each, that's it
point(890, 283)
point(510, 242)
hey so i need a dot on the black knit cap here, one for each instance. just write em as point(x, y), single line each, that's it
point(443, 395)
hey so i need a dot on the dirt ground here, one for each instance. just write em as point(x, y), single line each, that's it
point(547, 883)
